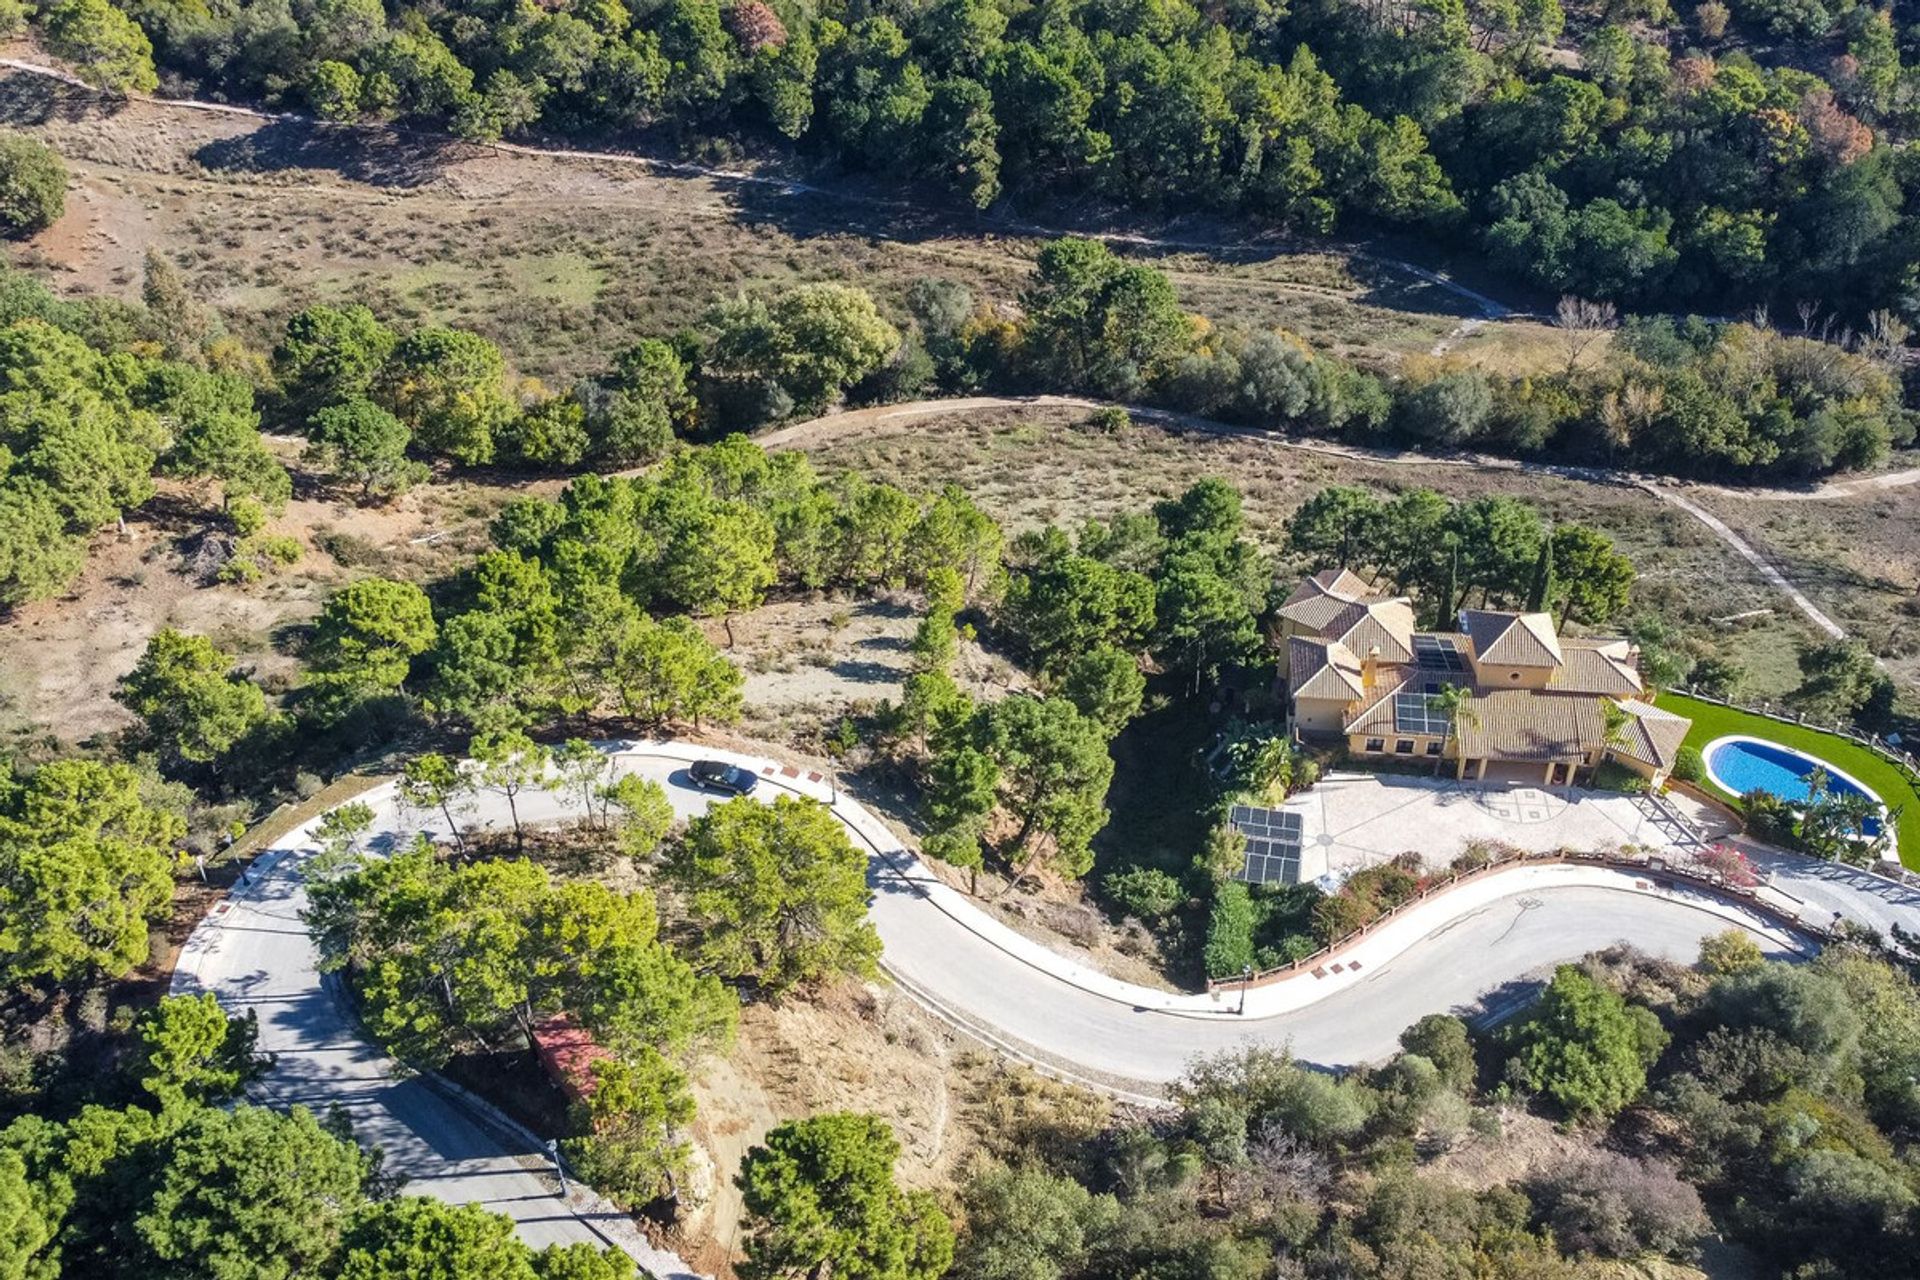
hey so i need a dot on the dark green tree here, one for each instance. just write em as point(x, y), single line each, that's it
point(195, 705)
point(33, 185)
point(1583, 1046)
point(820, 1199)
point(778, 893)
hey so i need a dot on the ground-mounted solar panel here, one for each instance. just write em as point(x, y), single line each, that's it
point(1273, 844)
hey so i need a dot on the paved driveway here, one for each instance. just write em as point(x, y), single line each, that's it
point(1352, 820)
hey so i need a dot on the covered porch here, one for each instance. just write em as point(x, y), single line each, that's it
point(1538, 773)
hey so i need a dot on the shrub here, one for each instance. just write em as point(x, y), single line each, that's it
point(1611, 775)
point(1229, 949)
point(1729, 864)
point(1769, 817)
point(1277, 1094)
point(1585, 1047)
point(1619, 1207)
point(33, 185)
point(1804, 1007)
point(1146, 892)
point(1339, 914)
point(1443, 1040)
point(1296, 947)
point(1109, 420)
point(1689, 766)
point(1734, 951)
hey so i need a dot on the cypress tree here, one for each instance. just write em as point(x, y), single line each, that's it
point(1542, 588)
point(1449, 587)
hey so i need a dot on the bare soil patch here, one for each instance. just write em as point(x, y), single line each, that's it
point(810, 661)
point(853, 1048)
point(61, 658)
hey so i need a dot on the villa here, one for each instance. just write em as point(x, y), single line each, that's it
point(1539, 707)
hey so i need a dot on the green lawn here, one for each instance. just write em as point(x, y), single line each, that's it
point(1711, 721)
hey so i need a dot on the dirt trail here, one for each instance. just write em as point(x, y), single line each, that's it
point(838, 425)
point(1487, 307)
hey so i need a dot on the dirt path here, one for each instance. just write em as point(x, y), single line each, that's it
point(1488, 308)
point(836, 426)
point(1745, 551)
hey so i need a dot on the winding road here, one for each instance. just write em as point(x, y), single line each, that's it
point(1471, 949)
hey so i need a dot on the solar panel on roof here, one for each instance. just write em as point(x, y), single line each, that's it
point(1413, 713)
point(1437, 654)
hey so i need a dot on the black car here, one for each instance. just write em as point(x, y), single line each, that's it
point(718, 775)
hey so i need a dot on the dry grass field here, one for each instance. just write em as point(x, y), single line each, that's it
point(1032, 466)
point(1857, 557)
point(563, 260)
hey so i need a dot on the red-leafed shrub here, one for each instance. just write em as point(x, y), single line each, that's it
point(755, 27)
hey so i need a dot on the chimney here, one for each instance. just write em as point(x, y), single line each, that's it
point(1370, 668)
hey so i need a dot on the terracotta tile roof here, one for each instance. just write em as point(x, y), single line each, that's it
point(1321, 598)
point(1324, 595)
point(1386, 625)
point(1526, 724)
point(1512, 639)
point(1322, 669)
point(568, 1051)
point(1344, 583)
point(1651, 735)
point(1377, 716)
point(1597, 666)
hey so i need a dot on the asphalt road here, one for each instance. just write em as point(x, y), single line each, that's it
point(256, 954)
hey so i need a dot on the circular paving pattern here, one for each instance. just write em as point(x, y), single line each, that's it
point(1522, 805)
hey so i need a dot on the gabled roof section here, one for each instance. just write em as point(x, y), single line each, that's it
point(1512, 639)
point(1597, 666)
point(1323, 669)
point(1376, 716)
point(1651, 734)
point(1322, 597)
point(1386, 625)
point(1344, 583)
point(1525, 724)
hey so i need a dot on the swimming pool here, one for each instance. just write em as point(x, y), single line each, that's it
point(1741, 764)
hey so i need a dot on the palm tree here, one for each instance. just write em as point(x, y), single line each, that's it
point(1455, 702)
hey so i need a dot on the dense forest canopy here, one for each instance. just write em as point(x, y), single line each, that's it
point(1608, 150)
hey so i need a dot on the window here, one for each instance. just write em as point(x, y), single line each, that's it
point(1433, 748)
point(1403, 747)
point(1376, 744)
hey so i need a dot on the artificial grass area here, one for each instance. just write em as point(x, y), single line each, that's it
point(1712, 721)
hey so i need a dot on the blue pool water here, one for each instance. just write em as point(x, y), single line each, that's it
point(1744, 765)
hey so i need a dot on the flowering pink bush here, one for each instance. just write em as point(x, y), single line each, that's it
point(1729, 864)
